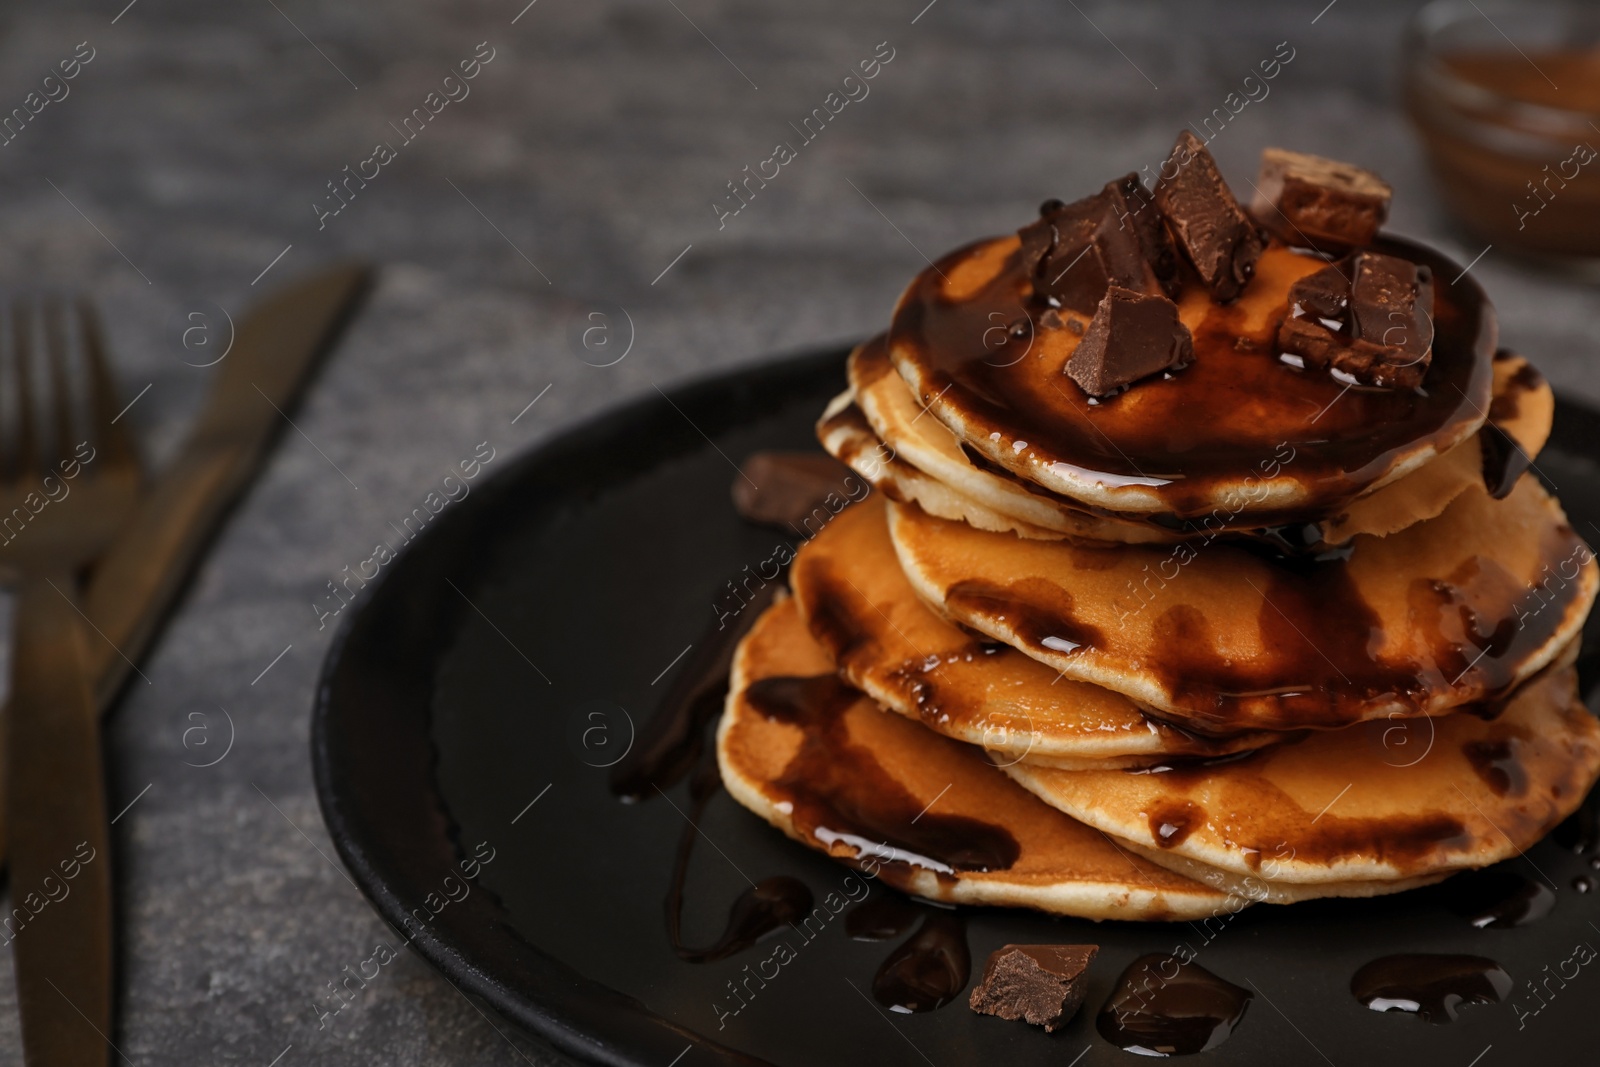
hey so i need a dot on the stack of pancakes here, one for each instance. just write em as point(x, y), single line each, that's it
point(1243, 631)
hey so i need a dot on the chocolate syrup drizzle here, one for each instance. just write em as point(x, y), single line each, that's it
point(1429, 986)
point(1153, 439)
point(1163, 1006)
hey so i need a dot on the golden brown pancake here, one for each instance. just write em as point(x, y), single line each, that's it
point(1358, 804)
point(1523, 409)
point(1238, 428)
point(844, 433)
point(823, 764)
point(924, 449)
point(1223, 638)
point(859, 607)
point(928, 446)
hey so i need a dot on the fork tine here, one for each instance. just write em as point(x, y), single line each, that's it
point(116, 441)
point(59, 357)
point(25, 447)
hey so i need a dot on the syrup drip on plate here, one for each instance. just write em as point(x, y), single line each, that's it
point(1429, 986)
point(1163, 1006)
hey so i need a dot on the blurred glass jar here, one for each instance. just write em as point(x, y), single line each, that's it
point(1512, 129)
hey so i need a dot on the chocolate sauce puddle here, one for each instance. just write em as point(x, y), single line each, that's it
point(929, 970)
point(674, 737)
point(880, 918)
point(765, 906)
point(1165, 1007)
point(1429, 986)
point(841, 794)
point(1498, 900)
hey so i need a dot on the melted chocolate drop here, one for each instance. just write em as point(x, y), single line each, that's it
point(929, 970)
point(1165, 1007)
point(759, 910)
point(672, 740)
point(840, 793)
point(1499, 900)
point(880, 918)
point(1504, 461)
point(1172, 821)
point(1431, 987)
point(1583, 884)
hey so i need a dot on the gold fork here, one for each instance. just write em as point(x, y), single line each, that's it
point(70, 479)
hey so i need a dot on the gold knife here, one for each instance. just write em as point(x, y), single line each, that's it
point(276, 346)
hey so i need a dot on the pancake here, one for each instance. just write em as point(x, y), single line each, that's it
point(931, 816)
point(845, 435)
point(1522, 408)
point(1224, 638)
point(1236, 429)
point(858, 606)
point(927, 446)
point(1356, 805)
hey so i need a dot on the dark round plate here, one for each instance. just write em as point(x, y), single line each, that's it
point(454, 735)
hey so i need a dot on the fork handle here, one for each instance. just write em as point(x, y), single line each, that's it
point(60, 929)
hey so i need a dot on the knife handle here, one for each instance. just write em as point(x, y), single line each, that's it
point(59, 929)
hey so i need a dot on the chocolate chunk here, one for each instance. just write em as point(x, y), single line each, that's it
point(1214, 232)
point(1131, 335)
point(1114, 237)
point(1135, 209)
point(779, 488)
point(1042, 984)
point(1368, 317)
point(1308, 200)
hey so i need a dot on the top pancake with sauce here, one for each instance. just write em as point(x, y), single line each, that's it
point(1237, 428)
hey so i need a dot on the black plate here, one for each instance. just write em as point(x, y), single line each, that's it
point(548, 602)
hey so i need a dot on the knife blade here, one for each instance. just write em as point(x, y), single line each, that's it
point(276, 346)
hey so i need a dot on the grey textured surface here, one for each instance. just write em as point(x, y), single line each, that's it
point(190, 151)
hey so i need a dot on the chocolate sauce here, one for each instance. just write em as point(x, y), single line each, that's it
point(759, 910)
point(765, 906)
point(1498, 899)
point(672, 740)
point(1316, 666)
point(1508, 401)
point(929, 970)
point(1037, 611)
point(1171, 821)
point(1504, 461)
point(1429, 986)
point(880, 917)
point(1149, 436)
point(1165, 1007)
point(840, 793)
point(1497, 764)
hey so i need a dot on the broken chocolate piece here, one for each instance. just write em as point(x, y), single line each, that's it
point(1308, 200)
point(1133, 208)
point(780, 488)
point(1368, 317)
point(1114, 237)
point(1042, 984)
point(1219, 239)
point(1131, 335)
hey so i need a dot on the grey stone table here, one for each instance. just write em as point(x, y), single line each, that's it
point(583, 164)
